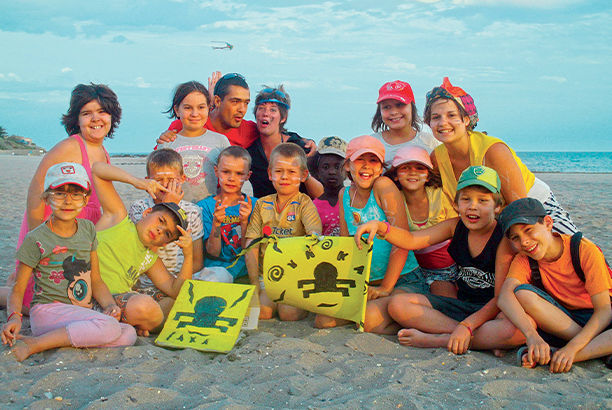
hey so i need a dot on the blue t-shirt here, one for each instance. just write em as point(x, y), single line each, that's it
point(231, 235)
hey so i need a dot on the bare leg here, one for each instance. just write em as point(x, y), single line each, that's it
point(166, 306)
point(144, 313)
point(443, 288)
point(326, 322)
point(267, 307)
point(27, 346)
point(377, 318)
point(290, 313)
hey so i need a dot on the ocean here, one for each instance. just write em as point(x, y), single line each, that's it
point(575, 162)
point(578, 162)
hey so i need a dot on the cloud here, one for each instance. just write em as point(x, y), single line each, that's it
point(66, 70)
point(140, 83)
point(10, 77)
point(555, 79)
point(121, 39)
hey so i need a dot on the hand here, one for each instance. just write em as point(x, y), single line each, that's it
point(375, 292)
point(368, 229)
point(310, 145)
point(246, 207)
point(460, 340)
point(167, 136)
point(114, 311)
point(538, 352)
point(10, 331)
point(219, 213)
point(562, 360)
point(175, 192)
point(184, 241)
point(150, 185)
point(212, 81)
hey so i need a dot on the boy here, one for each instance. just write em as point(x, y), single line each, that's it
point(286, 213)
point(472, 319)
point(166, 167)
point(127, 250)
point(226, 215)
point(567, 306)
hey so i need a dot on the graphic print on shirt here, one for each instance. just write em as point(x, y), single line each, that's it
point(477, 279)
point(231, 233)
point(78, 274)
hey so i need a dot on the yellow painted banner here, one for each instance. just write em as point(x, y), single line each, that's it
point(325, 275)
point(206, 316)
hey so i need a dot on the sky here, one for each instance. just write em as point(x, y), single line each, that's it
point(538, 70)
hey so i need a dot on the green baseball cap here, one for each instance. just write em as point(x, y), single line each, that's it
point(479, 175)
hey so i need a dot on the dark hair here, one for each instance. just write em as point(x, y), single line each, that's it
point(229, 79)
point(175, 218)
point(497, 197)
point(378, 125)
point(433, 179)
point(164, 157)
point(462, 111)
point(279, 93)
point(236, 152)
point(84, 94)
point(72, 266)
point(289, 150)
point(72, 188)
point(183, 90)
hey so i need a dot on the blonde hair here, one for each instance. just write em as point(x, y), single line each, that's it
point(289, 150)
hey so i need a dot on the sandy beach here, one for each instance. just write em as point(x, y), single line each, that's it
point(294, 365)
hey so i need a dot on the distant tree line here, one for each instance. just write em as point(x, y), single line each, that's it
point(10, 142)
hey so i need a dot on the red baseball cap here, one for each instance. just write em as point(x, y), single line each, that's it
point(396, 90)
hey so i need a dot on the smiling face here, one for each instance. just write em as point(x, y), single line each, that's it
point(395, 114)
point(233, 107)
point(268, 118)
point(412, 176)
point(193, 112)
point(232, 174)
point(364, 170)
point(446, 122)
point(477, 208)
point(286, 175)
point(330, 172)
point(533, 240)
point(157, 229)
point(94, 122)
point(66, 202)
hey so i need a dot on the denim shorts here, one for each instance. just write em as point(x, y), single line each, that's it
point(412, 282)
point(450, 274)
point(580, 316)
point(454, 308)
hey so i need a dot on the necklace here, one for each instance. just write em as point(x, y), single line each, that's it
point(51, 224)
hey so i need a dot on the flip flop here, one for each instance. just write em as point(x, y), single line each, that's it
point(524, 350)
point(609, 362)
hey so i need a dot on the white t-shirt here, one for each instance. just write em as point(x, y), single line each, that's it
point(423, 139)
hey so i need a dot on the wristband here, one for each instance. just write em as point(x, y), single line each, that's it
point(15, 313)
point(384, 236)
point(468, 328)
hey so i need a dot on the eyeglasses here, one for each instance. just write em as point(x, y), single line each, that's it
point(75, 196)
point(231, 75)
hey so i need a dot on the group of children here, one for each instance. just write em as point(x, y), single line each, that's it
point(468, 284)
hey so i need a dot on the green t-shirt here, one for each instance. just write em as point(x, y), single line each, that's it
point(123, 258)
point(62, 266)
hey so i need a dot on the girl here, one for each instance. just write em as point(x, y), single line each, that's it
point(93, 116)
point(374, 197)
point(326, 166)
point(396, 123)
point(426, 205)
point(61, 256)
point(271, 112)
point(198, 146)
point(452, 116)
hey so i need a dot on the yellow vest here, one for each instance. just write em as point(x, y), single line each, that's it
point(479, 145)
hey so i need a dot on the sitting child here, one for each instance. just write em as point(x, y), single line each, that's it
point(472, 319)
point(426, 205)
point(543, 286)
point(166, 167)
point(127, 250)
point(226, 215)
point(61, 256)
point(286, 213)
point(327, 168)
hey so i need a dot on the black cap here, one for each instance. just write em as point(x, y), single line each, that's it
point(522, 211)
point(179, 212)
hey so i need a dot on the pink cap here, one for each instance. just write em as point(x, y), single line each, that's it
point(364, 144)
point(396, 90)
point(411, 154)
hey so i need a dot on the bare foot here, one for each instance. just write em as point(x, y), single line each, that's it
point(499, 352)
point(21, 349)
point(416, 338)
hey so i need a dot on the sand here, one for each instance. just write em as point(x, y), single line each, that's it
point(293, 365)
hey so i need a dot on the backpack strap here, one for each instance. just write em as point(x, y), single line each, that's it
point(536, 276)
point(575, 254)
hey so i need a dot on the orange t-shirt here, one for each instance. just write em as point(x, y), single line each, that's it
point(562, 282)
